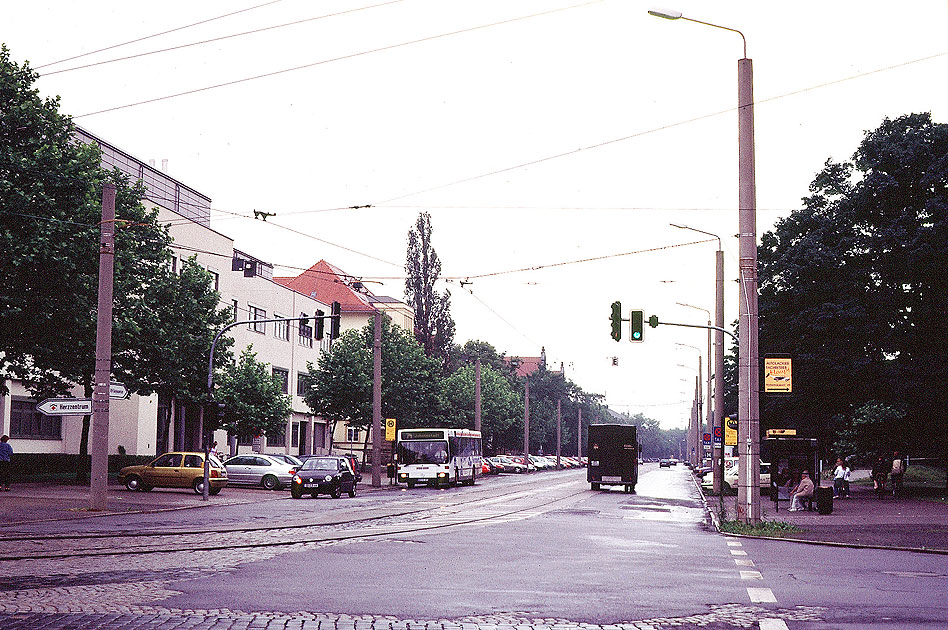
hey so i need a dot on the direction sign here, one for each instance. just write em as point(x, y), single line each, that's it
point(117, 390)
point(65, 407)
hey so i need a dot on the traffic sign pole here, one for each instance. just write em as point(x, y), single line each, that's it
point(98, 487)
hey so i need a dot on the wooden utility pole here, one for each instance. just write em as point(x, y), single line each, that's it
point(477, 394)
point(377, 403)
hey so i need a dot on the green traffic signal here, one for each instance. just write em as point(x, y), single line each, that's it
point(637, 323)
point(616, 319)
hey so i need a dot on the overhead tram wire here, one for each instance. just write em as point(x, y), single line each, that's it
point(340, 58)
point(657, 129)
point(221, 38)
point(153, 35)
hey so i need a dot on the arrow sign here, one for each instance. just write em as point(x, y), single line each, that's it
point(118, 390)
point(65, 407)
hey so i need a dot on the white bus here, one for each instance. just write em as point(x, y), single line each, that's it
point(438, 457)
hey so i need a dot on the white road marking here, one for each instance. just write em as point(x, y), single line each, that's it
point(743, 562)
point(738, 552)
point(751, 575)
point(773, 624)
point(734, 544)
point(761, 595)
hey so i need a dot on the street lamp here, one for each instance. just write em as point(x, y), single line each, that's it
point(748, 499)
point(718, 451)
point(708, 413)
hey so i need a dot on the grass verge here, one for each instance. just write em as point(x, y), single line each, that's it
point(768, 529)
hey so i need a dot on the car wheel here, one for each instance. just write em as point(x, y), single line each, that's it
point(145, 487)
point(296, 493)
point(411, 484)
point(336, 492)
point(214, 491)
point(269, 482)
point(595, 486)
point(133, 483)
point(314, 494)
point(198, 485)
point(352, 492)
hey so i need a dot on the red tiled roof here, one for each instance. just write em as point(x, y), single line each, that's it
point(528, 365)
point(327, 283)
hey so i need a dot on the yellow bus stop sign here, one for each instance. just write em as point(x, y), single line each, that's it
point(390, 429)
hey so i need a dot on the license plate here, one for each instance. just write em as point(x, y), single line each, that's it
point(612, 479)
point(310, 485)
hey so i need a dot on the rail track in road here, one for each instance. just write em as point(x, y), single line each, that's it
point(465, 507)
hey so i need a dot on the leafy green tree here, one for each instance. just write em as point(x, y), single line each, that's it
point(341, 387)
point(253, 397)
point(434, 327)
point(501, 406)
point(868, 433)
point(472, 350)
point(852, 286)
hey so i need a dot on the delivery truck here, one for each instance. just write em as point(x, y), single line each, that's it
point(613, 453)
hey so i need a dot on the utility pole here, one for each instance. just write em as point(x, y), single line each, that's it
point(579, 433)
point(477, 394)
point(526, 423)
point(718, 451)
point(559, 432)
point(377, 402)
point(98, 487)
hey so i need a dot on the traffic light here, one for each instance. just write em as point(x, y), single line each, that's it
point(616, 320)
point(336, 313)
point(637, 323)
point(320, 325)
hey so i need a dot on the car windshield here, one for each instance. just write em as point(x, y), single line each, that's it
point(320, 464)
point(435, 452)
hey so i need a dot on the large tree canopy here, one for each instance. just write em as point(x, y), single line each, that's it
point(853, 287)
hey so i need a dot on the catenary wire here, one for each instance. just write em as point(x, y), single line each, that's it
point(340, 58)
point(221, 38)
point(153, 35)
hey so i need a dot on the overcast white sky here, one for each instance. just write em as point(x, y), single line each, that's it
point(381, 120)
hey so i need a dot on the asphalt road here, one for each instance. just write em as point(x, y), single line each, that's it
point(539, 551)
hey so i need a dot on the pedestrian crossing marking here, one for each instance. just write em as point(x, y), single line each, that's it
point(761, 595)
point(732, 543)
point(751, 575)
point(738, 552)
point(773, 624)
point(743, 562)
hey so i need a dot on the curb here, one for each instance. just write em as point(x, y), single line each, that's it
point(713, 519)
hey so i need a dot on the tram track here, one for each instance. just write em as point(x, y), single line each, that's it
point(373, 522)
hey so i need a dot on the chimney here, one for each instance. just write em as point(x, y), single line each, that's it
point(164, 166)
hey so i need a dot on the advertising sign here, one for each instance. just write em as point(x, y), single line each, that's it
point(730, 431)
point(777, 375)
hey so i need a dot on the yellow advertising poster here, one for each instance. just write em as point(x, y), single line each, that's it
point(390, 429)
point(777, 375)
point(730, 431)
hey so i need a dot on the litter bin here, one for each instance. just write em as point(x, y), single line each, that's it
point(824, 500)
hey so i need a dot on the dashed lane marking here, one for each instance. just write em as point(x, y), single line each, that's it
point(738, 552)
point(732, 543)
point(743, 562)
point(773, 624)
point(751, 575)
point(761, 595)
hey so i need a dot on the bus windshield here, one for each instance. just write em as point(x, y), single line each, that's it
point(423, 452)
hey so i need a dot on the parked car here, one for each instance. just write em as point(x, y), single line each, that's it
point(498, 464)
point(324, 475)
point(175, 470)
point(511, 465)
point(255, 469)
point(731, 475)
point(289, 459)
point(665, 463)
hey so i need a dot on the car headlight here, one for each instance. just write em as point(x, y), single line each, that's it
point(296, 479)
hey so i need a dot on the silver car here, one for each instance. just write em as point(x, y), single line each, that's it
point(255, 469)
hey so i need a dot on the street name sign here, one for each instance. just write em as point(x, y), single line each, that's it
point(117, 390)
point(65, 407)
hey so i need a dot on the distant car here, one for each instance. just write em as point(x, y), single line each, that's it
point(498, 464)
point(268, 471)
point(665, 463)
point(511, 465)
point(324, 475)
point(175, 470)
point(289, 459)
point(731, 475)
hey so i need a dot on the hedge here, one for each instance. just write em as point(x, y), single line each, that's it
point(63, 467)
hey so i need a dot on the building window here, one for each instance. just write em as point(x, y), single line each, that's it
point(306, 333)
point(284, 376)
point(281, 329)
point(353, 434)
point(27, 422)
point(277, 439)
point(303, 383)
point(245, 440)
point(296, 435)
point(257, 313)
point(236, 308)
point(217, 279)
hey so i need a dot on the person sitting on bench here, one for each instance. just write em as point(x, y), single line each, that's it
point(803, 490)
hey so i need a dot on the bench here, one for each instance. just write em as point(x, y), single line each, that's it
point(779, 493)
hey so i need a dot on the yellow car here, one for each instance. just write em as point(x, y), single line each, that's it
point(175, 470)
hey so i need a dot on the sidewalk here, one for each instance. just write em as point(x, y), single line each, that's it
point(908, 522)
point(46, 501)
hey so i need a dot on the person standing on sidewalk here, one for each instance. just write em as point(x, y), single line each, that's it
point(839, 475)
point(847, 472)
point(6, 457)
point(898, 469)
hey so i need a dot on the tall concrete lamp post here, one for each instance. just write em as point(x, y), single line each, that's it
point(748, 499)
